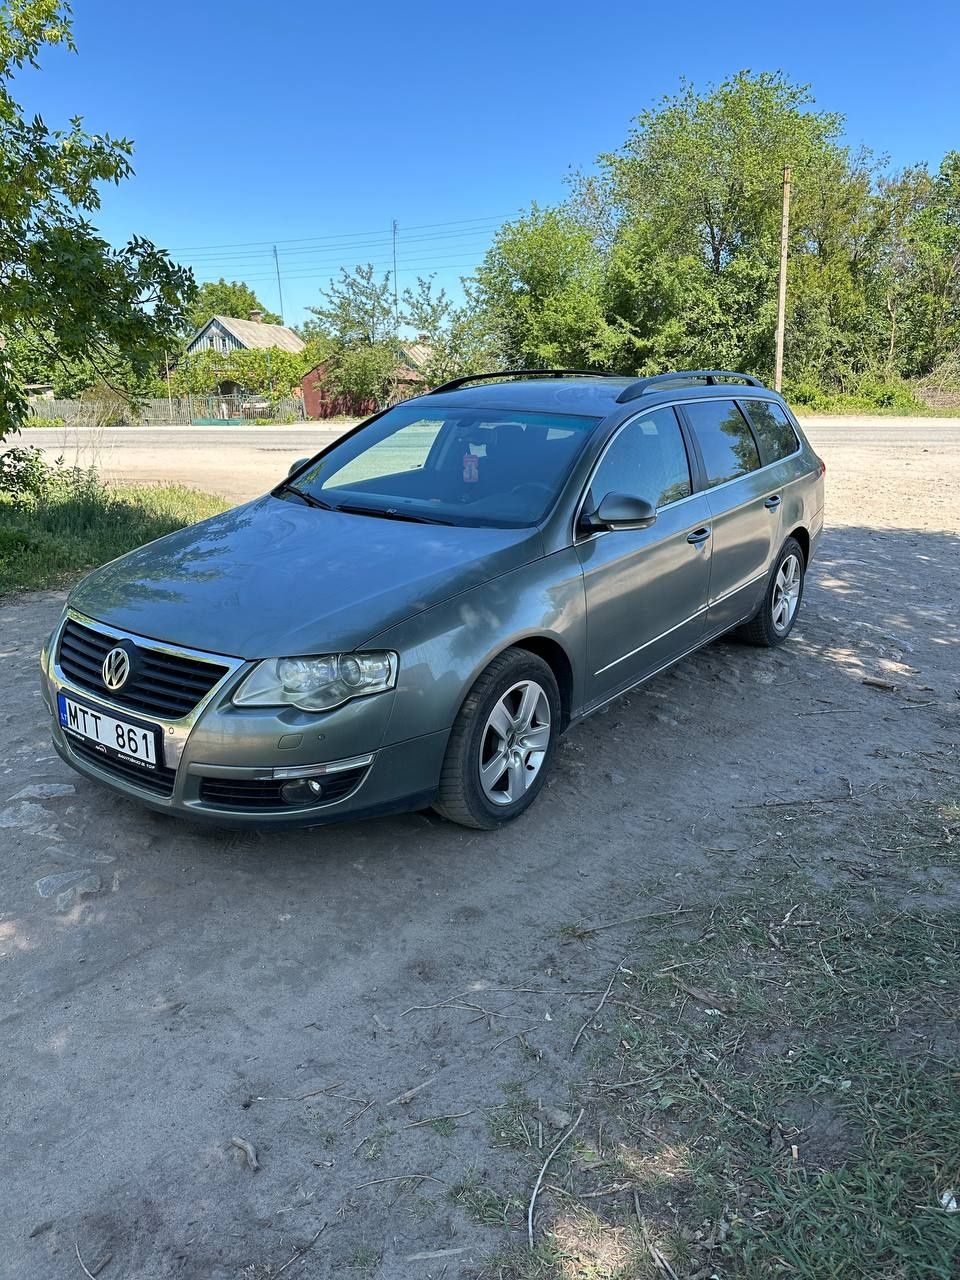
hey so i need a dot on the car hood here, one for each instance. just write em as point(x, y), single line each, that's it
point(275, 577)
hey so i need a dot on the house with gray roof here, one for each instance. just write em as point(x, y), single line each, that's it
point(228, 333)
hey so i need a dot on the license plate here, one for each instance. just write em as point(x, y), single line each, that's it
point(128, 740)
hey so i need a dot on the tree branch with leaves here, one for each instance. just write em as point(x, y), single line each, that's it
point(59, 279)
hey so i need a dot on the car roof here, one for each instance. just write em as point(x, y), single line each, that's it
point(594, 396)
point(597, 397)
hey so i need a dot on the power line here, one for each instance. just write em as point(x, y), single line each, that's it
point(404, 266)
point(383, 258)
point(254, 255)
point(422, 226)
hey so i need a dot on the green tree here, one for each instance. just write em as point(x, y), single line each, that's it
point(225, 298)
point(270, 372)
point(540, 288)
point(364, 372)
point(458, 340)
point(921, 215)
point(698, 184)
point(33, 357)
point(358, 320)
point(63, 284)
point(667, 255)
point(357, 309)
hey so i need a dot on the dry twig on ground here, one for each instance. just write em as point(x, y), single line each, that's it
point(603, 1001)
point(300, 1252)
point(543, 1170)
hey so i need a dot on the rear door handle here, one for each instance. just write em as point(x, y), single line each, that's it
point(699, 536)
point(772, 502)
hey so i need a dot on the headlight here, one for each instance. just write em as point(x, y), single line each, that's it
point(317, 684)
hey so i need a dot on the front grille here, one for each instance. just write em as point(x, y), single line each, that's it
point(160, 780)
point(161, 684)
point(263, 794)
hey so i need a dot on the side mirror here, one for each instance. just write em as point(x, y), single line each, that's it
point(296, 466)
point(621, 511)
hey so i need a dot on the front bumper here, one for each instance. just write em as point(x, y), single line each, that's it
point(219, 761)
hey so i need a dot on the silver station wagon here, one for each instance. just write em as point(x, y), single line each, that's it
point(415, 615)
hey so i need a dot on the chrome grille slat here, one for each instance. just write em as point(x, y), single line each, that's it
point(88, 664)
point(166, 685)
point(156, 680)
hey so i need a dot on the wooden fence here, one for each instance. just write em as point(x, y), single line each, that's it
point(174, 411)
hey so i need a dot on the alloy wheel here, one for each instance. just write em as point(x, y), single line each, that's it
point(786, 592)
point(514, 742)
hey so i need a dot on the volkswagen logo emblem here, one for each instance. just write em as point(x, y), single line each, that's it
point(116, 668)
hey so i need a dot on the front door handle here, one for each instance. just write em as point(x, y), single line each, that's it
point(772, 502)
point(699, 536)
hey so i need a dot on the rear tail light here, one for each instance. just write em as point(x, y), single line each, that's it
point(823, 466)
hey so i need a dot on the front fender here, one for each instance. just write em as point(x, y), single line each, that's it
point(444, 649)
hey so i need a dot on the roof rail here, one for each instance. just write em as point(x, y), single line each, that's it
point(709, 376)
point(454, 383)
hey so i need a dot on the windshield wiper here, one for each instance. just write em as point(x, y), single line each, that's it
point(308, 498)
point(391, 513)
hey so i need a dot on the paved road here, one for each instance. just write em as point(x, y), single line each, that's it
point(240, 462)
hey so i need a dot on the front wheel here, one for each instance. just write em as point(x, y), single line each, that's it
point(502, 742)
point(774, 620)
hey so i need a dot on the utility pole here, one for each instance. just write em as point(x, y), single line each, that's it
point(166, 361)
point(276, 263)
point(782, 287)
point(396, 295)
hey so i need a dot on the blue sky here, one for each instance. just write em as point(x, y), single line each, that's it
point(313, 126)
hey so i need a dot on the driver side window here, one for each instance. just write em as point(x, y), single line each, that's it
point(648, 459)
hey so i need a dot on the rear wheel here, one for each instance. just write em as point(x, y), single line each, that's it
point(502, 742)
point(774, 620)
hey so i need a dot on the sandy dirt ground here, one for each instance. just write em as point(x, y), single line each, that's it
point(164, 990)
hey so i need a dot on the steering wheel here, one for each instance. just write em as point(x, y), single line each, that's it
point(533, 487)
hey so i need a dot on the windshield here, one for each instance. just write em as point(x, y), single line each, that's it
point(451, 465)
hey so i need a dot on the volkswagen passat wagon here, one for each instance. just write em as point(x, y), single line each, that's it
point(415, 615)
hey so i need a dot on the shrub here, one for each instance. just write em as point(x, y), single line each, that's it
point(891, 396)
point(806, 395)
point(27, 479)
point(868, 393)
point(103, 406)
point(73, 529)
point(37, 420)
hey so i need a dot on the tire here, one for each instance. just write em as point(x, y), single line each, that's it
point(764, 628)
point(472, 792)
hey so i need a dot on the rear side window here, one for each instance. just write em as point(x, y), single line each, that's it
point(726, 441)
point(774, 430)
point(648, 459)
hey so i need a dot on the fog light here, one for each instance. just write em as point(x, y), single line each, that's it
point(303, 791)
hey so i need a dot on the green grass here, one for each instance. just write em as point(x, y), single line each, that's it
point(484, 1205)
point(67, 534)
point(816, 1124)
point(587, 1250)
point(512, 1123)
point(857, 407)
point(776, 1074)
point(866, 395)
point(365, 1258)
